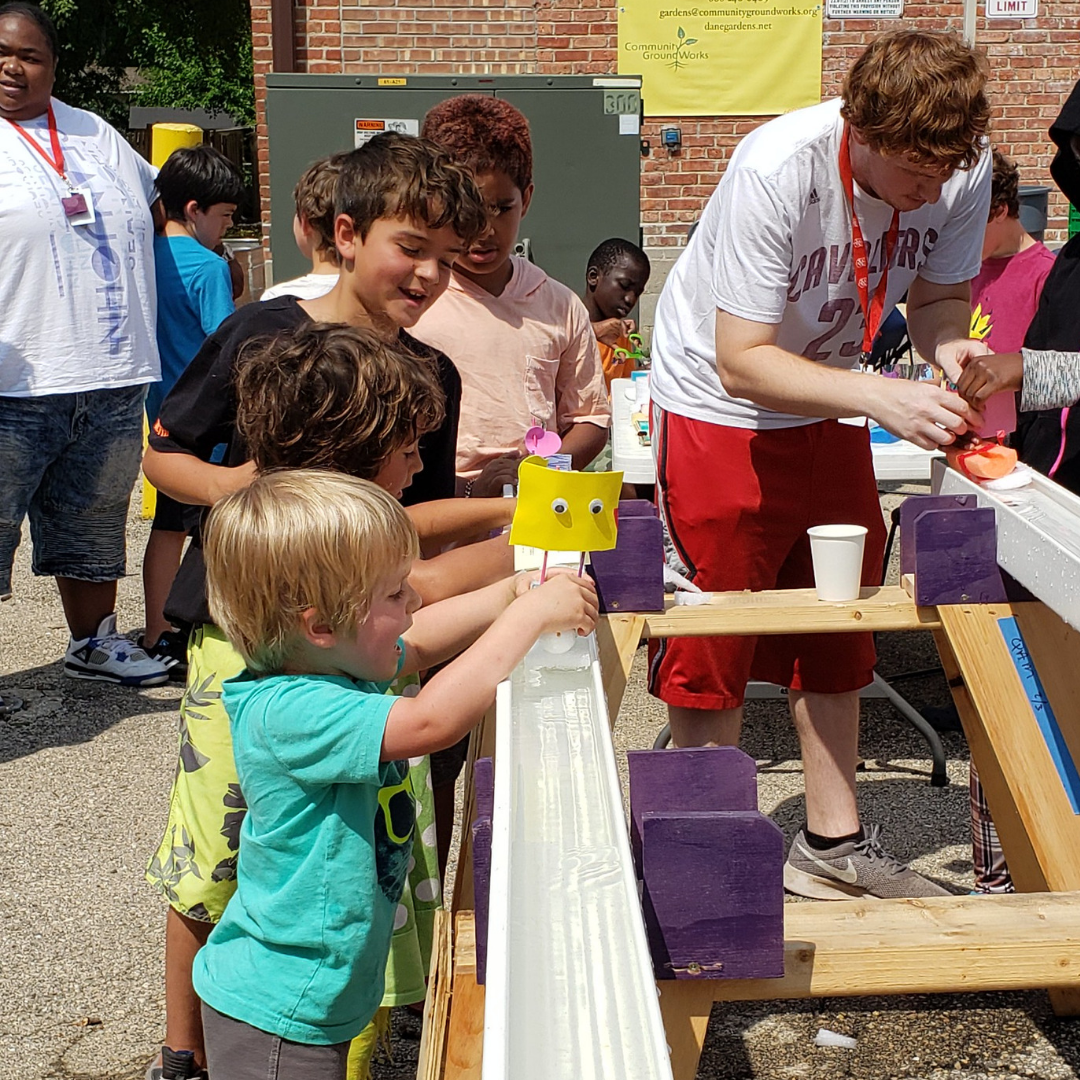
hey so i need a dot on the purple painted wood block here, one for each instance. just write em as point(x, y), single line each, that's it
point(484, 791)
point(484, 786)
point(481, 857)
point(713, 896)
point(697, 778)
point(956, 557)
point(630, 577)
point(629, 508)
point(911, 508)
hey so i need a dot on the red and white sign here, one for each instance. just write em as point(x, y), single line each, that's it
point(1012, 9)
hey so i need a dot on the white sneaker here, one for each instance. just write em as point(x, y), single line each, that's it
point(109, 656)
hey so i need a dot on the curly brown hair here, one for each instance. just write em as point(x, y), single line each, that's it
point(314, 195)
point(484, 133)
point(920, 96)
point(1005, 187)
point(325, 396)
point(395, 175)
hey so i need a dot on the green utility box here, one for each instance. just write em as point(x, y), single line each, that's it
point(586, 150)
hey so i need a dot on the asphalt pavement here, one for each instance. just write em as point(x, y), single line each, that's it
point(85, 771)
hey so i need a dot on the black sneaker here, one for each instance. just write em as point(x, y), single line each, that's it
point(175, 1065)
point(853, 869)
point(171, 649)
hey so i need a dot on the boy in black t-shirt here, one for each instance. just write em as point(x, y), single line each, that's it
point(404, 214)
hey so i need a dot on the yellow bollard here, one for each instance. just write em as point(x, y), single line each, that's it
point(164, 139)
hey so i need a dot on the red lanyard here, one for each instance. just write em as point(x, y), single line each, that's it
point(872, 308)
point(57, 159)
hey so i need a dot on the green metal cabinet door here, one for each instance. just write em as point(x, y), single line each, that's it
point(309, 122)
point(587, 178)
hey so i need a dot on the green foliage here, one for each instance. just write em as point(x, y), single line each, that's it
point(190, 55)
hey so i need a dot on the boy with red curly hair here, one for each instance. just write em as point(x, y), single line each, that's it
point(521, 340)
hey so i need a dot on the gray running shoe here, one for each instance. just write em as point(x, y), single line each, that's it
point(853, 869)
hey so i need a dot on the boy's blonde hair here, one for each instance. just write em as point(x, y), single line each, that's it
point(298, 539)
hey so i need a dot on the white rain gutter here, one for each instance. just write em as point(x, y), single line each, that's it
point(570, 988)
point(1038, 535)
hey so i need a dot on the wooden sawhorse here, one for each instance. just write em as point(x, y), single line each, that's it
point(939, 945)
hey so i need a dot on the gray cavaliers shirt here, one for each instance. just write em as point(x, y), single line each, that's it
point(774, 246)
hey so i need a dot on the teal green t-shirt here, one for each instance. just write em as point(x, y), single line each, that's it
point(324, 851)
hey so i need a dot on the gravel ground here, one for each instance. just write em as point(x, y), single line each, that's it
point(84, 776)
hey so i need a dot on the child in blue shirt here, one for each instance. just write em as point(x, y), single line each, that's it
point(307, 573)
point(200, 189)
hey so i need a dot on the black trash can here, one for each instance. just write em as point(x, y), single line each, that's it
point(1033, 208)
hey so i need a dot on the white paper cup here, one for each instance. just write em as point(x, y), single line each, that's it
point(837, 551)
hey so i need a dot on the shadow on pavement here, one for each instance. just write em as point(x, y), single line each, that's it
point(58, 711)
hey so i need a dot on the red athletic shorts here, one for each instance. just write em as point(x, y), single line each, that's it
point(737, 504)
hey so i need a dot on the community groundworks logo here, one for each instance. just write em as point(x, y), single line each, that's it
point(675, 54)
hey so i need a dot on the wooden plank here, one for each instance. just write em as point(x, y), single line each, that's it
point(1048, 635)
point(1039, 832)
point(1014, 839)
point(437, 1003)
point(617, 639)
point(465, 1037)
point(685, 1007)
point(1001, 708)
point(935, 945)
point(784, 611)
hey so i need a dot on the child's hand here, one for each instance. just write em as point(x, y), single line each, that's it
point(610, 330)
point(497, 473)
point(984, 376)
point(529, 579)
point(563, 602)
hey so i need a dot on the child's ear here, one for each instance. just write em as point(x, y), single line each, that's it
point(526, 198)
point(316, 630)
point(346, 238)
point(191, 208)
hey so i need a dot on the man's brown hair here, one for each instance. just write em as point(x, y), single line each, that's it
point(1005, 188)
point(920, 96)
point(325, 396)
point(401, 176)
point(485, 133)
point(314, 195)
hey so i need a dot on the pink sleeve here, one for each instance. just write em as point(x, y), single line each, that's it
point(580, 392)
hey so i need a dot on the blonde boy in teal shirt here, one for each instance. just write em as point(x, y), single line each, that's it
point(307, 573)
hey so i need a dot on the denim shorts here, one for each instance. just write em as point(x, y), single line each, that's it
point(70, 462)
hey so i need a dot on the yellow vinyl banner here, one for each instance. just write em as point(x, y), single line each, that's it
point(724, 58)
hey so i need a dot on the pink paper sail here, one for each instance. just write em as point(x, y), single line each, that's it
point(565, 511)
point(541, 442)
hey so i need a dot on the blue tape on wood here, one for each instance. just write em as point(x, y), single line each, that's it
point(1044, 713)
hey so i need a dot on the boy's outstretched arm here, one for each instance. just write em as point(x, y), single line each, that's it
point(455, 699)
point(189, 479)
point(447, 521)
point(463, 569)
point(583, 442)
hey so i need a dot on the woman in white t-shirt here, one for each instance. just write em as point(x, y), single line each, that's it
point(77, 315)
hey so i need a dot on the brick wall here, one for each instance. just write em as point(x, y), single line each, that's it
point(1031, 64)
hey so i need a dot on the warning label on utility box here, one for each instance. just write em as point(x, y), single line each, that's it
point(365, 129)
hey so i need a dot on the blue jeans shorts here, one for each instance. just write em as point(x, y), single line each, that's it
point(70, 462)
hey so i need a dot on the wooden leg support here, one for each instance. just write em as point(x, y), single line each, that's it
point(1039, 831)
point(465, 1038)
point(685, 1006)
